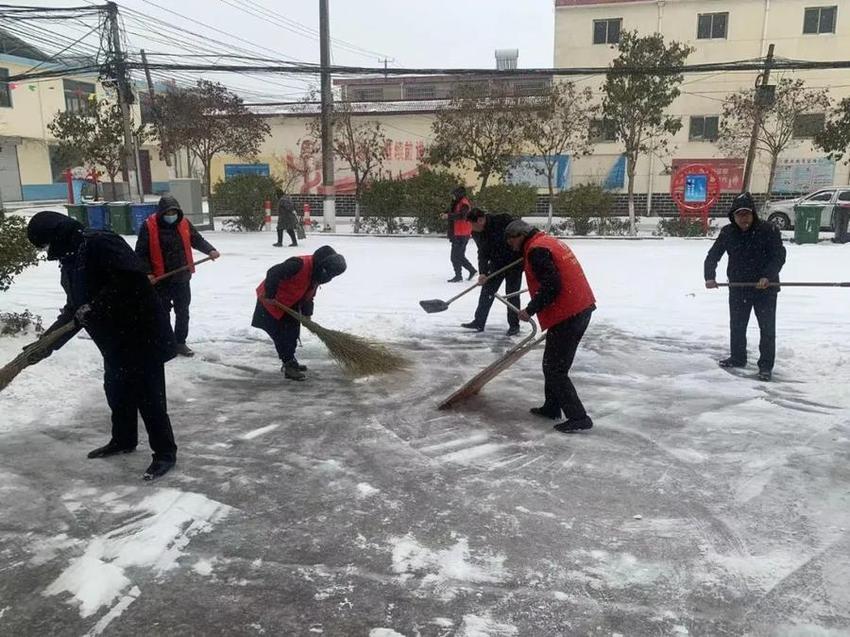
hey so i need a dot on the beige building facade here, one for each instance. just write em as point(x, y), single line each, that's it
point(586, 32)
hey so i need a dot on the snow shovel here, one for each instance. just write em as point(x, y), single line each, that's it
point(46, 341)
point(798, 284)
point(436, 305)
point(473, 386)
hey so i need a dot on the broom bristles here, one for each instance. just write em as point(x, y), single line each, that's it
point(357, 355)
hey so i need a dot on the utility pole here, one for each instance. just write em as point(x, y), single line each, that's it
point(764, 98)
point(125, 98)
point(152, 94)
point(329, 206)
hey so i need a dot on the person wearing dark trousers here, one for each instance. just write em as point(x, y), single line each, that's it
point(109, 295)
point(293, 283)
point(165, 243)
point(488, 231)
point(756, 256)
point(563, 302)
point(287, 221)
point(459, 232)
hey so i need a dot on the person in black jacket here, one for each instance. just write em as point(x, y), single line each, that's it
point(108, 294)
point(287, 220)
point(494, 253)
point(756, 255)
point(293, 283)
point(165, 243)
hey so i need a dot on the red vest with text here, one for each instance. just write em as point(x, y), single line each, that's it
point(575, 295)
point(292, 291)
point(462, 228)
point(157, 262)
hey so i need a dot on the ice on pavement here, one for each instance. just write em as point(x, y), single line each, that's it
point(700, 503)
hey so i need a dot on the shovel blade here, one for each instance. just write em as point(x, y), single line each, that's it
point(434, 305)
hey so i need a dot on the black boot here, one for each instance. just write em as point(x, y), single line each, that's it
point(553, 413)
point(571, 426)
point(472, 274)
point(513, 330)
point(158, 468)
point(110, 449)
point(184, 350)
point(765, 374)
point(472, 325)
point(301, 368)
point(731, 362)
point(456, 278)
point(291, 370)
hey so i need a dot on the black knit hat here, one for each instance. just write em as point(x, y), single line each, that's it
point(742, 202)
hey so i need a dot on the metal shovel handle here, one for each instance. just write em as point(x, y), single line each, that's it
point(489, 276)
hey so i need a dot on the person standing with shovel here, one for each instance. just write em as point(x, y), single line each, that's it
point(165, 243)
point(109, 295)
point(756, 255)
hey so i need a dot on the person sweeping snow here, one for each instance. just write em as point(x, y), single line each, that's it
point(109, 295)
point(563, 302)
point(293, 284)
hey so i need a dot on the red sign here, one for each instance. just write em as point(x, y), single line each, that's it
point(695, 189)
point(729, 171)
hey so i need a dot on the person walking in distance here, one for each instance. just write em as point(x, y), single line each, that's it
point(494, 253)
point(756, 255)
point(293, 283)
point(459, 232)
point(287, 220)
point(165, 243)
point(108, 294)
point(563, 302)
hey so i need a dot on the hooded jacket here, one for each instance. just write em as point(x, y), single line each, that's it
point(171, 244)
point(287, 219)
point(326, 264)
point(754, 254)
point(98, 268)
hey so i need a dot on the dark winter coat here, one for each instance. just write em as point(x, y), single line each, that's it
point(126, 321)
point(326, 265)
point(287, 219)
point(753, 254)
point(173, 254)
point(494, 252)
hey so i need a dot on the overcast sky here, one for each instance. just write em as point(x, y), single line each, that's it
point(412, 33)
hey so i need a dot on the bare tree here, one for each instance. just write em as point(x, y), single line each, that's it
point(635, 104)
point(207, 120)
point(360, 145)
point(780, 121)
point(558, 124)
point(484, 130)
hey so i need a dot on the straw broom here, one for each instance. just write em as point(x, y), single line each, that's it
point(46, 341)
point(357, 355)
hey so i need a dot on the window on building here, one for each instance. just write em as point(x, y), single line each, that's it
point(704, 128)
point(819, 20)
point(607, 31)
point(77, 95)
point(372, 94)
point(58, 164)
point(420, 92)
point(602, 130)
point(5, 89)
point(808, 124)
point(712, 26)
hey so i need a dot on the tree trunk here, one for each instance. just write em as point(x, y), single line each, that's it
point(551, 202)
point(112, 181)
point(774, 159)
point(631, 175)
point(208, 189)
point(485, 177)
point(357, 214)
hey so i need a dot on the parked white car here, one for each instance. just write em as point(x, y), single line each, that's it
point(781, 213)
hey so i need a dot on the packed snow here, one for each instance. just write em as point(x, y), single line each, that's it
point(701, 503)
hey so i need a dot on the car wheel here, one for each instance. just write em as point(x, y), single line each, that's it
point(780, 220)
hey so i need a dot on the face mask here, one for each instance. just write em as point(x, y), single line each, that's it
point(169, 218)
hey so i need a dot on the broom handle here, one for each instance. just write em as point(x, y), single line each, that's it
point(513, 294)
point(489, 276)
point(180, 269)
point(798, 284)
point(296, 315)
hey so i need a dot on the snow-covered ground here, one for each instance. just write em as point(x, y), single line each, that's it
point(701, 503)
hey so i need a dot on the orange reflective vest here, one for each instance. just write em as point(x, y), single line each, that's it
point(292, 291)
point(157, 261)
point(575, 295)
point(462, 227)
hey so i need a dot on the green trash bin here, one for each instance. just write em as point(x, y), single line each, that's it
point(806, 224)
point(78, 213)
point(121, 220)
